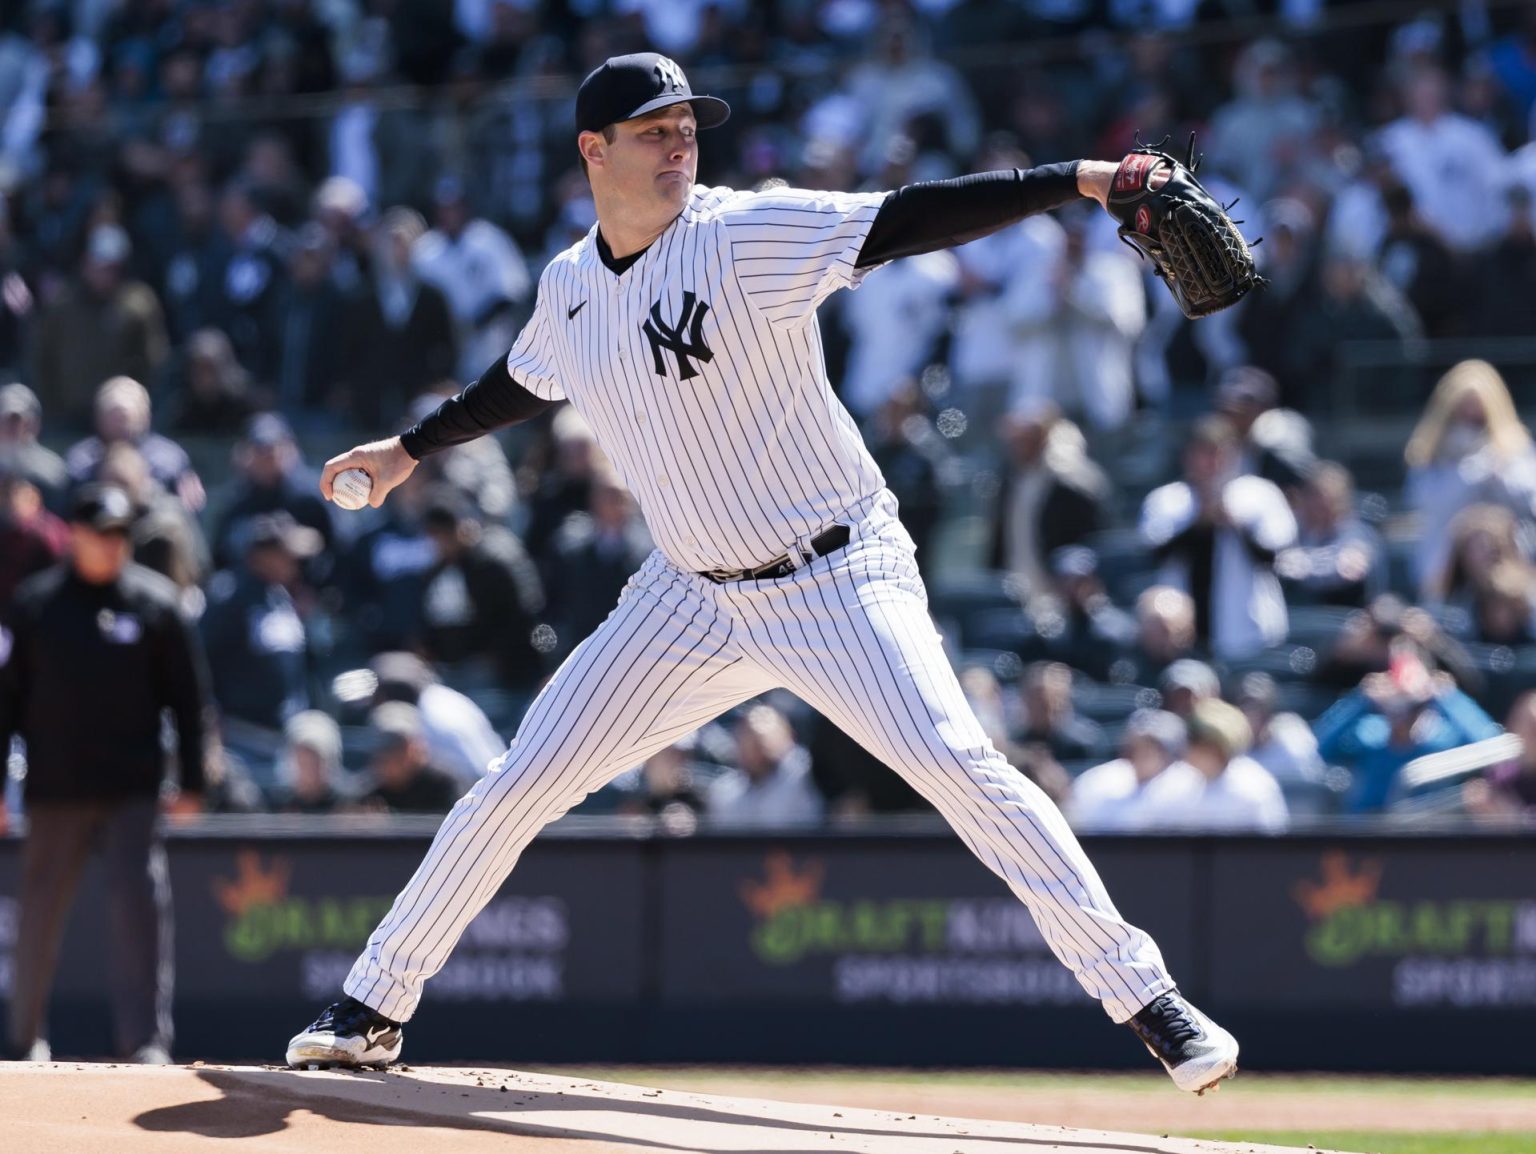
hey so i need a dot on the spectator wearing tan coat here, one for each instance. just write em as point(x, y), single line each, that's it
point(105, 325)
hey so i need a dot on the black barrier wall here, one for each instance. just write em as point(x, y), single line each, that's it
point(1403, 954)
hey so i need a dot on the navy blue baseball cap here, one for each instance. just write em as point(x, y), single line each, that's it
point(104, 508)
point(624, 87)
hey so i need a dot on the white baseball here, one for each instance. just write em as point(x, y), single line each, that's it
point(351, 488)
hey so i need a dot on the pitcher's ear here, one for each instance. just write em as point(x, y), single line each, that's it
point(591, 145)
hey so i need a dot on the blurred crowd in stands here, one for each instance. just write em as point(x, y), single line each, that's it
point(236, 237)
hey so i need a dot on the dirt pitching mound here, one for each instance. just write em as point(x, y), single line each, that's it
point(65, 1108)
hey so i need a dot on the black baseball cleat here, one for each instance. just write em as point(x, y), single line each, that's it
point(347, 1034)
point(1196, 1052)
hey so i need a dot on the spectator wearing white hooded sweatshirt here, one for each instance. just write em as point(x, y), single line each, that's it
point(1229, 790)
point(1454, 165)
point(1076, 330)
point(1112, 797)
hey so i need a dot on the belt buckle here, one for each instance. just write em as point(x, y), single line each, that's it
point(781, 566)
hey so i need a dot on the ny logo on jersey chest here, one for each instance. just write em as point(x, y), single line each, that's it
point(684, 339)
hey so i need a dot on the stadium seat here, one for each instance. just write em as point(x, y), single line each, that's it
point(1400, 578)
point(1507, 673)
point(1125, 565)
point(357, 742)
point(960, 590)
point(1306, 698)
point(1454, 619)
point(1284, 662)
point(1317, 626)
point(1003, 663)
point(1010, 628)
point(503, 708)
point(1111, 703)
point(1311, 799)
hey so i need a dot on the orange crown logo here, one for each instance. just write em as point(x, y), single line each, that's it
point(1340, 888)
point(253, 885)
point(782, 886)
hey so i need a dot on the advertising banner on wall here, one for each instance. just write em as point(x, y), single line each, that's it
point(564, 926)
point(1445, 925)
point(278, 921)
point(882, 922)
point(1393, 945)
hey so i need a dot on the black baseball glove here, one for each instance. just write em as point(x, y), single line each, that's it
point(1168, 217)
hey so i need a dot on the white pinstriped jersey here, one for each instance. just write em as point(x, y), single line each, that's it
point(700, 370)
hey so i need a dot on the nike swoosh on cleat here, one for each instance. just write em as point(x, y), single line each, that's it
point(374, 1033)
point(571, 313)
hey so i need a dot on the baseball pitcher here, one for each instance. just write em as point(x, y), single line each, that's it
point(683, 328)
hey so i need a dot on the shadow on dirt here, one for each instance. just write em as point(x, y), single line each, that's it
point(259, 1102)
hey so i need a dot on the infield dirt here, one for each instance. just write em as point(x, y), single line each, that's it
point(83, 1108)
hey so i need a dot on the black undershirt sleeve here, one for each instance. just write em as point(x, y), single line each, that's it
point(935, 214)
point(914, 219)
point(493, 402)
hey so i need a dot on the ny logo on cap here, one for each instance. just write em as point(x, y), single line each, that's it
point(670, 76)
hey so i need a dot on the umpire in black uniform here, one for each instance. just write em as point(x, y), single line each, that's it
point(99, 648)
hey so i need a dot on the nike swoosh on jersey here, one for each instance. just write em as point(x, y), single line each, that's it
point(570, 313)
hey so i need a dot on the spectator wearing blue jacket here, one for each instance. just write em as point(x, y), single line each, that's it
point(1390, 720)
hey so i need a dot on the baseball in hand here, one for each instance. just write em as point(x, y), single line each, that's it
point(351, 488)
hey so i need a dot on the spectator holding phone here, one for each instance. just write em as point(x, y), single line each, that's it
point(1393, 718)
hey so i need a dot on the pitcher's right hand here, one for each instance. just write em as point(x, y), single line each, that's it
point(386, 463)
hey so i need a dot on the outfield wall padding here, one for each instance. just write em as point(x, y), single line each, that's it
point(1330, 953)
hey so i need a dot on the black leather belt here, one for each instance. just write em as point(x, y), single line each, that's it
point(827, 541)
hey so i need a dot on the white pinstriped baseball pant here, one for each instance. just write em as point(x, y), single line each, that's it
point(849, 634)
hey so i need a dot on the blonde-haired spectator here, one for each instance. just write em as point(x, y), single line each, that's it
point(1469, 447)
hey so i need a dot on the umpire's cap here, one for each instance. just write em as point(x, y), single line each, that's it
point(624, 87)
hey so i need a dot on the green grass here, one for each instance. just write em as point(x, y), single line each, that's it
point(1151, 1083)
point(1368, 1142)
